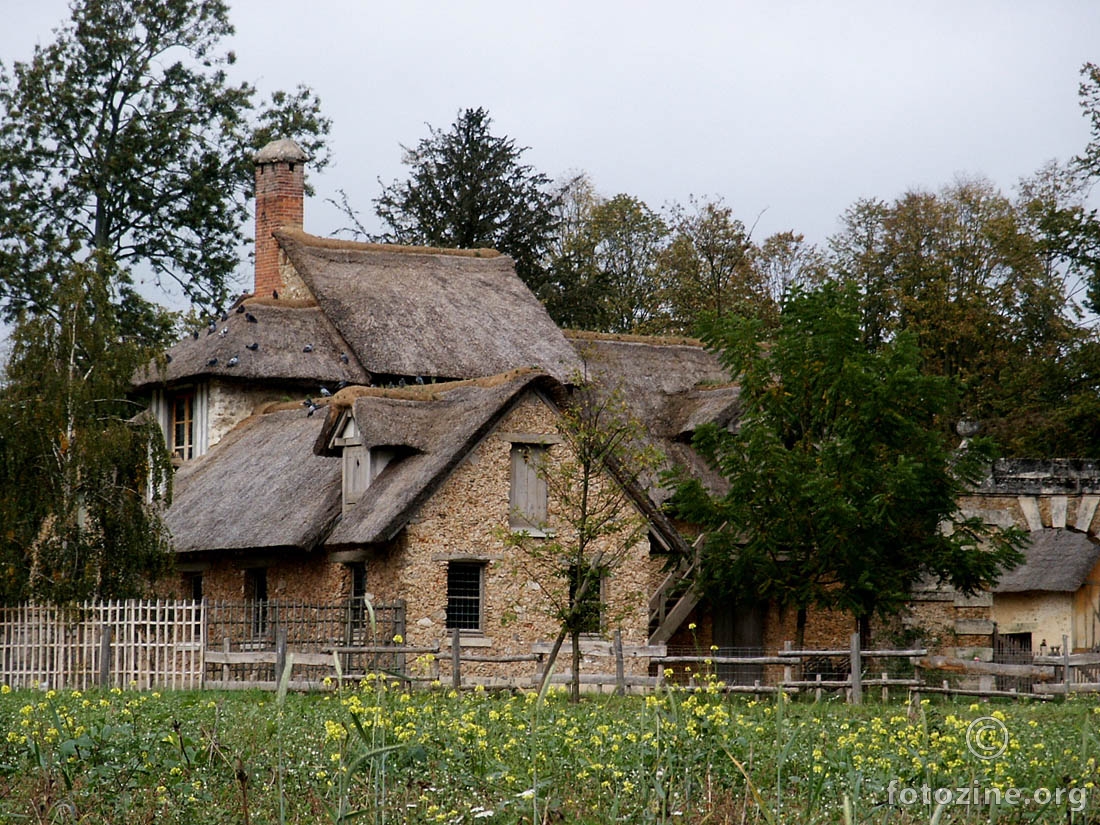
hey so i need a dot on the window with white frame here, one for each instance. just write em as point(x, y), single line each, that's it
point(181, 412)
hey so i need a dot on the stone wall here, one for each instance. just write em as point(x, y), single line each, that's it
point(230, 403)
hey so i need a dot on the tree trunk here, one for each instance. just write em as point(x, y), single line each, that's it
point(800, 629)
point(575, 692)
point(863, 624)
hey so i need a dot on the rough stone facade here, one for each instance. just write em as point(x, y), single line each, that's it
point(229, 404)
point(465, 520)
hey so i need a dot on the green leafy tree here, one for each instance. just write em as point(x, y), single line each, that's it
point(123, 143)
point(606, 277)
point(985, 286)
point(82, 473)
point(839, 475)
point(707, 268)
point(468, 188)
point(594, 522)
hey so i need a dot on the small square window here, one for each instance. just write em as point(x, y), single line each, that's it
point(464, 595)
point(192, 586)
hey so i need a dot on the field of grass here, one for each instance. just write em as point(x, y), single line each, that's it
point(375, 753)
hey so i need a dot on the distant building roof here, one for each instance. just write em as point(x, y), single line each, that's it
point(1055, 560)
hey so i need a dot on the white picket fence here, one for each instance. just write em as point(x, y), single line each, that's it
point(142, 644)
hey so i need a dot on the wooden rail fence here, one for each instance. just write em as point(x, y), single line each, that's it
point(191, 645)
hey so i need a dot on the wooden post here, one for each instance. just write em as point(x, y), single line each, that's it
point(787, 674)
point(857, 666)
point(620, 678)
point(914, 695)
point(400, 630)
point(225, 667)
point(1067, 671)
point(105, 657)
point(456, 660)
point(885, 690)
point(817, 690)
point(280, 652)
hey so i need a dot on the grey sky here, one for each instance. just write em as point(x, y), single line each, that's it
point(793, 109)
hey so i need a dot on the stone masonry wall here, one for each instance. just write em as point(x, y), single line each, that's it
point(464, 521)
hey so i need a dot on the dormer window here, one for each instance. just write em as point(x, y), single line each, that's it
point(362, 464)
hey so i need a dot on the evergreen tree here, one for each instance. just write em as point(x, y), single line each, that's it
point(469, 189)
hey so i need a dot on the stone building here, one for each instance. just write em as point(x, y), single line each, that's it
point(357, 427)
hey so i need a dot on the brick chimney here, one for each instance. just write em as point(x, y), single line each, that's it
point(280, 193)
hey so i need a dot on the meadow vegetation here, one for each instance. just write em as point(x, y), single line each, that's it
point(374, 752)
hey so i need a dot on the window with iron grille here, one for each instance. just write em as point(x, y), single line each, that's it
point(255, 594)
point(464, 595)
point(590, 606)
point(358, 572)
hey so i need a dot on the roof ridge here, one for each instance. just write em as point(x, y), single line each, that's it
point(631, 338)
point(304, 237)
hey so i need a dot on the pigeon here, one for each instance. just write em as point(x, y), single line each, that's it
point(195, 334)
point(255, 345)
point(307, 348)
point(275, 294)
point(212, 327)
point(344, 357)
point(240, 309)
point(401, 382)
point(213, 362)
point(248, 316)
point(225, 317)
point(232, 362)
point(310, 406)
point(325, 392)
point(224, 332)
point(420, 380)
point(167, 358)
point(341, 385)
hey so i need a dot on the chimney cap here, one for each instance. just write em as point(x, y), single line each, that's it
point(281, 151)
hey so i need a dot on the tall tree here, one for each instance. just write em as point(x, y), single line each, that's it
point(82, 473)
point(124, 138)
point(468, 188)
point(605, 277)
point(839, 476)
point(982, 284)
point(707, 268)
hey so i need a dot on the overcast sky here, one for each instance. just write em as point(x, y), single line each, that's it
point(789, 109)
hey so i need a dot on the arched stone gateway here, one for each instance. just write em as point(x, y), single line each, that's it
point(1053, 598)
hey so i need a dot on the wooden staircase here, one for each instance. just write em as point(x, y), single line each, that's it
point(674, 598)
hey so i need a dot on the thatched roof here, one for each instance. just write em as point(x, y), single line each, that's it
point(1055, 560)
point(261, 486)
point(272, 347)
point(429, 312)
point(671, 385)
point(439, 425)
